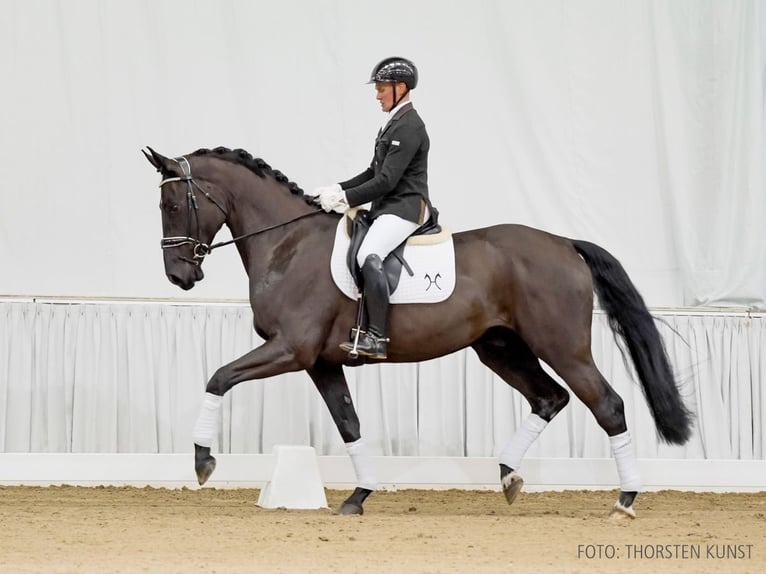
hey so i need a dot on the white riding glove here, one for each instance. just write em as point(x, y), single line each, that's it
point(317, 191)
point(333, 198)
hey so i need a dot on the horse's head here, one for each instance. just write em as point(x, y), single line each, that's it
point(191, 216)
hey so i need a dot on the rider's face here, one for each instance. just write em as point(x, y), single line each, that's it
point(385, 94)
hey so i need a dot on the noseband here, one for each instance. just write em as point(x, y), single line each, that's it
point(200, 249)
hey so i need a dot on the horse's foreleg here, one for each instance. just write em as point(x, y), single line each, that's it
point(205, 430)
point(331, 383)
point(271, 358)
point(508, 356)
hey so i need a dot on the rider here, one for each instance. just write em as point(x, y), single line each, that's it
point(397, 185)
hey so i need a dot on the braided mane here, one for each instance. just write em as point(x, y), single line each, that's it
point(256, 165)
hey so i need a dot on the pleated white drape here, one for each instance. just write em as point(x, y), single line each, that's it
point(636, 124)
point(129, 377)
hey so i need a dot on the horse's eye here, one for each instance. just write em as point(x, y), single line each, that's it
point(168, 206)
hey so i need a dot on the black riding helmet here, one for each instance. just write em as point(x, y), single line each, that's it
point(393, 70)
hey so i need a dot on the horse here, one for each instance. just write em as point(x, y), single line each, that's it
point(521, 296)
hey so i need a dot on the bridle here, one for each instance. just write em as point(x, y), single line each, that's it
point(200, 249)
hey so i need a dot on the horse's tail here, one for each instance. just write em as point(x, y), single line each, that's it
point(629, 318)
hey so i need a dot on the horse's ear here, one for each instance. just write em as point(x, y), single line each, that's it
point(158, 160)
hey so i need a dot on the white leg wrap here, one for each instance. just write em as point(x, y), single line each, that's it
point(627, 466)
point(207, 422)
point(517, 447)
point(365, 473)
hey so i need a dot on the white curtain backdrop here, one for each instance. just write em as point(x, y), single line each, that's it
point(635, 124)
point(129, 378)
point(638, 125)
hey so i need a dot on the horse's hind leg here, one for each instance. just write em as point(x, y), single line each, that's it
point(331, 383)
point(591, 388)
point(508, 355)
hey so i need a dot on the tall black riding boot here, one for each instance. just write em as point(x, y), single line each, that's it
point(372, 343)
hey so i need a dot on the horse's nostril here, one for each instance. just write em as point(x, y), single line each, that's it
point(184, 283)
point(175, 279)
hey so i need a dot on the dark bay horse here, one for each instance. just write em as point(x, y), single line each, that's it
point(521, 295)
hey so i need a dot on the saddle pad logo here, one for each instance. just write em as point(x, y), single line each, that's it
point(434, 281)
point(433, 267)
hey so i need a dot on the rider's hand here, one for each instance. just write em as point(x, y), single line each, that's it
point(317, 191)
point(333, 198)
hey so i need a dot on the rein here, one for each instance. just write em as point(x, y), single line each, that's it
point(200, 249)
point(264, 230)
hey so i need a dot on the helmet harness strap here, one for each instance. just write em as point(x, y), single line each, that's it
point(400, 98)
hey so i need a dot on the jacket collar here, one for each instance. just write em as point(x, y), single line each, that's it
point(397, 116)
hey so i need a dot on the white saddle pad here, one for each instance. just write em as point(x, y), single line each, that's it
point(433, 265)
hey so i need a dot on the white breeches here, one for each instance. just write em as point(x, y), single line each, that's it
point(385, 235)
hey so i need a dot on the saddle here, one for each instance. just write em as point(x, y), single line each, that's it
point(358, 226)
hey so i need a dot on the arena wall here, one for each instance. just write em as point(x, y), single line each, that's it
point(126, 378)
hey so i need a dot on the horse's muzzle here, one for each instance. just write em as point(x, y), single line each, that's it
point(186, 277)
point(183, 283)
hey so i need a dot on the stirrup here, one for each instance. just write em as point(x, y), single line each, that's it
point(366, 345)
point(351, 346)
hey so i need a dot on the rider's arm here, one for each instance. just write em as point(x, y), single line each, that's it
point(402, 147)
point(366, 175)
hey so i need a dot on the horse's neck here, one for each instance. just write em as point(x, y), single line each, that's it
point(258, 203)
point(267, 212)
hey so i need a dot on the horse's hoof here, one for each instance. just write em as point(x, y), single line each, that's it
point(620, 512)
point(204, 470)
point(353, 504)
point(349, 509)
point(512, 483)
point(204, 463)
